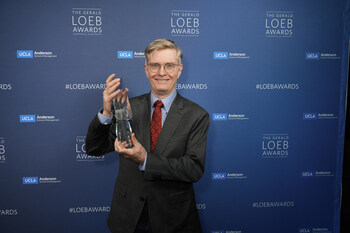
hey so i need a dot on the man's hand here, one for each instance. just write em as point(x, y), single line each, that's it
point(111, 93)
point(137, 153)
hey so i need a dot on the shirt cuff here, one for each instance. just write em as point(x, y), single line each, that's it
point(103, 119)
point(143, 167)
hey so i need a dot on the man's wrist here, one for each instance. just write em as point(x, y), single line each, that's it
point(104, 119)
point(142, 167)
point(106, 113)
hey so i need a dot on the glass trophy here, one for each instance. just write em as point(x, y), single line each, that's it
point(122, 113)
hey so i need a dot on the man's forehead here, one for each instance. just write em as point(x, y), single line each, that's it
point(168, 53)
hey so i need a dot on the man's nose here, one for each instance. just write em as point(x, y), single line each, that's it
point(162, 70)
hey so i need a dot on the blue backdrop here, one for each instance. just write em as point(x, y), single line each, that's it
point(272, 74)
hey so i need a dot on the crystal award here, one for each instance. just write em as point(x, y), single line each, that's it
point(122, 113)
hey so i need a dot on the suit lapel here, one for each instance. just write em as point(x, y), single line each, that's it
point(144, 118)
point(171, 123)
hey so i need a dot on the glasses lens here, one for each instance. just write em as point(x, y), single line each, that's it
point(169, 68)
point(154, 67)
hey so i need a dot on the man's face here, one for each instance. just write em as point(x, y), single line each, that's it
point(163, 83)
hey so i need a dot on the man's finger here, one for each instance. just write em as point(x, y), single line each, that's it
point(111, 87)
point(110, 77)
point(134, 140)
point(113, 95)
point(125, 95)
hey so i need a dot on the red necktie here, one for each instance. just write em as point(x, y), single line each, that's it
point(156, 123)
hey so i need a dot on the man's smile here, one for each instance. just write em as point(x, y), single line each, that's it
point(161, 80)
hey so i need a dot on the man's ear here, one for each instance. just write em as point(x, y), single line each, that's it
point(146, 71)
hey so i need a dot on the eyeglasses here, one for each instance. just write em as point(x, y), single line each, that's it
point(155, 67)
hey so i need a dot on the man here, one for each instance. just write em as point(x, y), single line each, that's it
point(154, 191)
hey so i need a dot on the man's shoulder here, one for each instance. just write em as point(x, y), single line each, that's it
point(140, 98)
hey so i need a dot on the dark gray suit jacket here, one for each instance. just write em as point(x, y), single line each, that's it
point(177, 161)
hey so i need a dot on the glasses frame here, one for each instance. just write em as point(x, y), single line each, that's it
point(150, 67)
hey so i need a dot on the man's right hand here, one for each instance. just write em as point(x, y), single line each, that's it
point(110, 93)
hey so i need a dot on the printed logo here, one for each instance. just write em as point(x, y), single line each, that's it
point(46, 118)
point(85, 86)
point(35, 54)
point(218, 176)
point(184, 22)
point(314, 230)
point(191, 86)
point(237, 116)
point(89, 209)
point(27, 118)
point(80, 151)
point(220, 55)
point(236, 55)
point(24, 53)
point(139, 55)
point(310, 116)
point(307, 174)
point(329, 56)
point(5, 87)
point(30, 180)
point(130, 54)
point(273, 204)
point(319, 116)
point(201, 206)
point(227, 176)
point(230, 55)
point(37, 118)
point(86, 21)
point(125, 55)
point(318, 56)
point(312, 56)
point(50, 180)
point(279, 24)
point(277, 86)
point(219, 116)
point(8, 212)
point(229, 116)
point(41, 180)
point(2, 150)
point(48, 54)
point(275, 145)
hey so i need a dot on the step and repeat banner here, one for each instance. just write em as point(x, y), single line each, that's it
point(272, 74)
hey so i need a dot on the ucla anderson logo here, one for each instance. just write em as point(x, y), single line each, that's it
point(220, 55)
point(125, 55)
point(27, 118)
point(312, 56)
point(30, 180)
point(24, 53)
point(219, 116)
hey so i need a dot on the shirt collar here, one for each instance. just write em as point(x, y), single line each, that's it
point(167, 101)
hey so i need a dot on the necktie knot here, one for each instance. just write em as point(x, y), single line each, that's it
point(158, 103)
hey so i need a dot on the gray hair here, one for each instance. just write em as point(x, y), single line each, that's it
point(160, 44)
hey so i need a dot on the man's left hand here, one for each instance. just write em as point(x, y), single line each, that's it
point(136, 153)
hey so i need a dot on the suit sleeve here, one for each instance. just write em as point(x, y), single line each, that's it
point(100, 138)
point(186, 167)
